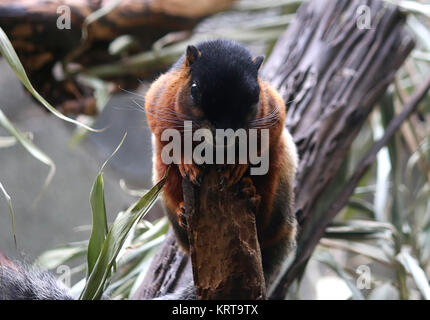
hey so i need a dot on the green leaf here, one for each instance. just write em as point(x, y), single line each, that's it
point(114, 241)
point(141, 271)
point(385, 291)
point(361, 205)
point(8, 52)
point(96, 15)
point(411, 265)
point(121, 44)
point(373, 252)
point(98, 207)
point(31, 148)
point(6, 142)
point(100, 227)
point(413, 7)
point(326, 258)
point(158, 229)
point(53, 258)
point(383, 170)
point(102, 94)
point(130, 191)
point(286, 5)
point(134, 253)
point(135, 270)
point(12, 213)
point(360, 230)
point(387, 114)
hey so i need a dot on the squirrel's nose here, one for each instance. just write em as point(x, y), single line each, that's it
point(223, 124)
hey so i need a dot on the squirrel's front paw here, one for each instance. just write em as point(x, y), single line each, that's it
point(231, 174)
point(182, 216)
point(191, 172)
point(248, 191)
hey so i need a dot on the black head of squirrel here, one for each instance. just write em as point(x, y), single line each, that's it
point(223, 84)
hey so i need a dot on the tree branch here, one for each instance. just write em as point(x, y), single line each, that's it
point(224, 248)
point(347, 190)
point(331, 73)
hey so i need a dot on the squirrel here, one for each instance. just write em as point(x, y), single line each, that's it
point(22, 281)
point(19, 281)
point(216, 85)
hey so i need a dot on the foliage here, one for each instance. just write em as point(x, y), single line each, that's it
point(386, 224)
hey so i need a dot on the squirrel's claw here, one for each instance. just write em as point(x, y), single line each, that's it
point(191, 172)
point(248, 191)
point(182, 216)
point(231, 174)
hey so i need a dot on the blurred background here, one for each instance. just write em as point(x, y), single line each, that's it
point(105, 89)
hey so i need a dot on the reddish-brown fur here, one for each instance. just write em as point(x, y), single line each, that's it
point(168, 92)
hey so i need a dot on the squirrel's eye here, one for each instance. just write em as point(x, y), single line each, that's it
point(195, 91)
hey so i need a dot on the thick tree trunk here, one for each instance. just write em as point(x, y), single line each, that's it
point(330, 73)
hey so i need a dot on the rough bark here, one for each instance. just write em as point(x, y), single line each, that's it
point(224, 248)
point(32, 28)
point(170, 269)
point(331, 74)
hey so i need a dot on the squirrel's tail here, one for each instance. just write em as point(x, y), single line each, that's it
point(20, 282)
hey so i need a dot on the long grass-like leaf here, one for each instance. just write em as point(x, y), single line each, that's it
point(138, 268)
point(102, 94)
point(413, 7)
point(114, 241)
point(326, 258)
point(100, 226)
point(12, 213)
point(383, 168)
point(98, 208)
point(8, 52)
point(418, 274)
point(370, 251)
point(53, 258)
point(31, 148)
point(96, 15)
point(6, 142)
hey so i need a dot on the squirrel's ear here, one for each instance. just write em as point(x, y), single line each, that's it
point(258, 61)
point(192, 55)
